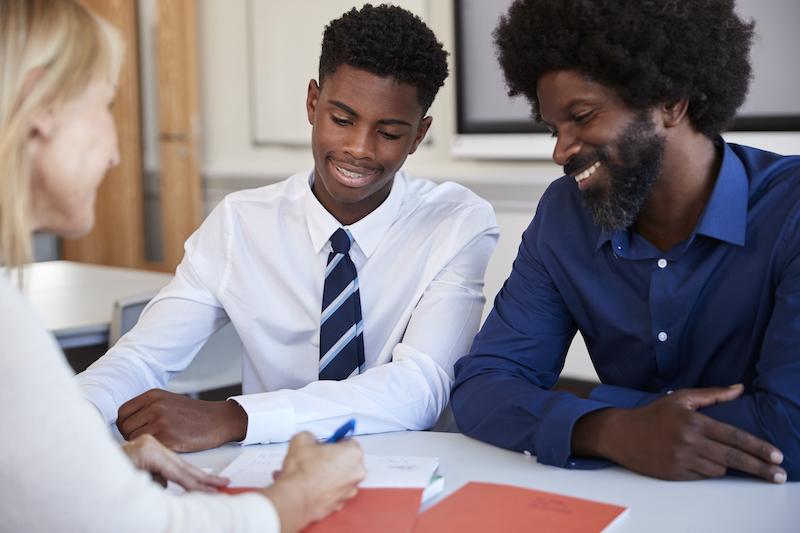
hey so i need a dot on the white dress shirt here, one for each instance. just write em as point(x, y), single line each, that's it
point(259, 261)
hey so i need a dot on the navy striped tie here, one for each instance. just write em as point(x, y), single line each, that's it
point(341, 346)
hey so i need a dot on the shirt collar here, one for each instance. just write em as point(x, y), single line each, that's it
point(725, 215)
point(367, 232)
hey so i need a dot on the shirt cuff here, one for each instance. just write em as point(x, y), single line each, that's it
point(270, 417)
point(622, 397)
point(554, 441)
point(101, 400)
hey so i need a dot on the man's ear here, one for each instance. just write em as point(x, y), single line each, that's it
point(311, 100)
point(424, 125)
point(673, 112)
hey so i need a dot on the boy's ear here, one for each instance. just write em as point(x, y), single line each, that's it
point(424, 126)
point(311, 100)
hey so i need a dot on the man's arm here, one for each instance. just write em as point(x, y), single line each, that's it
point(502, 390)
point(669, 439)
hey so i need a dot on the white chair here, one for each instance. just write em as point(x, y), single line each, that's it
point(218, 364)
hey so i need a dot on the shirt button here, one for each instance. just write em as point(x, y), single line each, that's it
point(662, 263)
point(663, 336)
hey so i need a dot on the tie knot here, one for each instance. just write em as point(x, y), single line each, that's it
point(341, 240)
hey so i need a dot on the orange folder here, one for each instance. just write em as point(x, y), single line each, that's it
point(492, 507)
point(372, 510)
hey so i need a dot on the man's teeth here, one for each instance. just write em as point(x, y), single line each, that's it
point(586, 173)
point(351, 174)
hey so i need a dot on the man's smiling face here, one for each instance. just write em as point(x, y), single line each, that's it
point(364, 127)
point(614, 153)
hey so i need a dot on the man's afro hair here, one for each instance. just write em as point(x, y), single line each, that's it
point(652, 51)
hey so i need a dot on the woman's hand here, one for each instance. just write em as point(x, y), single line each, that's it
point(164, 465)
point(316, 480)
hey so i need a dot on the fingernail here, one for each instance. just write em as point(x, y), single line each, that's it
point(779, 478)
point(776, 457)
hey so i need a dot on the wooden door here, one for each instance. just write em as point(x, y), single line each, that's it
point(118, 236)
point(179, 125)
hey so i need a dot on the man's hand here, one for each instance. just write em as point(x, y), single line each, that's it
point(669, 439)
point(316, 479)
point(181, 423)
point(148, 454)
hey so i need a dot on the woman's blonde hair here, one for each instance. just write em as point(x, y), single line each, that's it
point(68, 47)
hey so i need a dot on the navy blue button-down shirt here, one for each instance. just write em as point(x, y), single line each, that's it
point(720, 308)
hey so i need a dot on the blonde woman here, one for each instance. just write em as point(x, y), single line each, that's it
point(60, 468)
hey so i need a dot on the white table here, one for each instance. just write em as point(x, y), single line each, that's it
point(729, 505)
point(75, 300)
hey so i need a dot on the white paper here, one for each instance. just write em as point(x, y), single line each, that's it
point(254, 468)
point(397, 471)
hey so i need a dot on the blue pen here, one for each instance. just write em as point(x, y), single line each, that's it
point(343, 432)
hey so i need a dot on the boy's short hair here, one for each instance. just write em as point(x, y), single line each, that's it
point(386, 41)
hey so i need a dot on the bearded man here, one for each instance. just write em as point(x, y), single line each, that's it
point(676, 254)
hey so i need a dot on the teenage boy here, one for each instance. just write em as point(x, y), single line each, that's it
point(675, 254)
point(353, 270)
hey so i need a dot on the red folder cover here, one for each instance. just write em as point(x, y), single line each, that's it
point(492, 507)
point(372, 510)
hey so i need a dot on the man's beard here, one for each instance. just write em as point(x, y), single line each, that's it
point(615, 205)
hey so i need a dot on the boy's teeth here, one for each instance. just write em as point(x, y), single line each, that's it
point(350, 174)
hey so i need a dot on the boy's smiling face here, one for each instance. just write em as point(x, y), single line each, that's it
point(364, 127)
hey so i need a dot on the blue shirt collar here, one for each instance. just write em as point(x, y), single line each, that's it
point(724, 216)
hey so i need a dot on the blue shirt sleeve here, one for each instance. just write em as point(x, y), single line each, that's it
point(502, 390)
point(622, 397)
